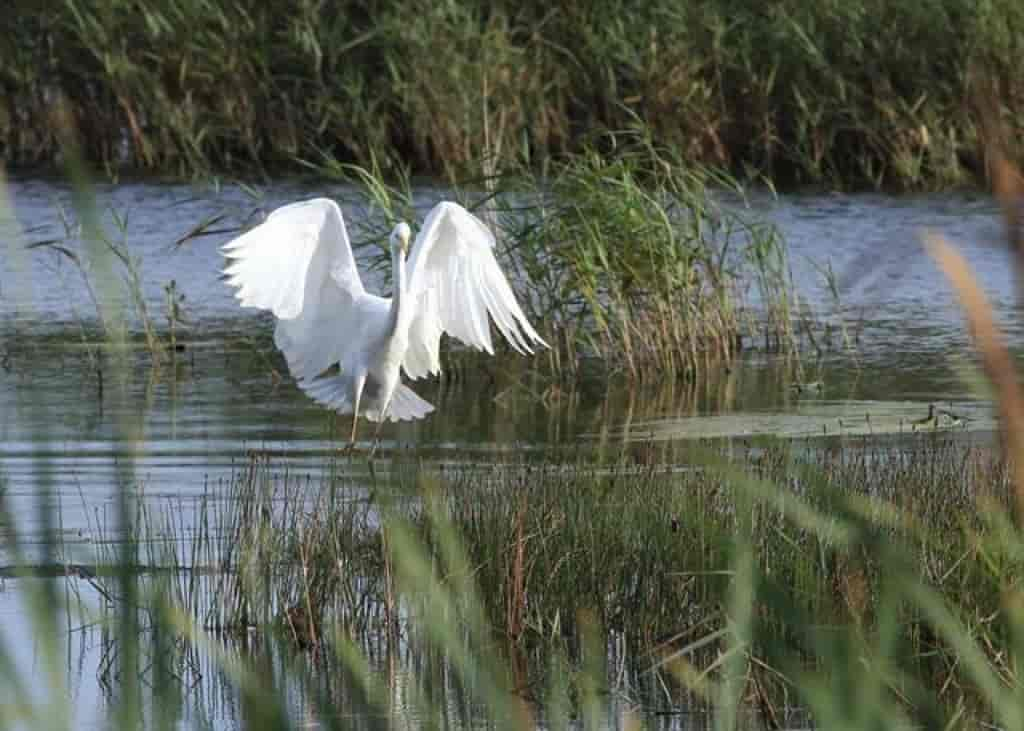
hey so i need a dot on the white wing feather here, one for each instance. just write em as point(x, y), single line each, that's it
point(335, 392)
point(299, 265)
point(457, 283)
point(407, 406)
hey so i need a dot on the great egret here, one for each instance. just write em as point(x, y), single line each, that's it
point(299, 265)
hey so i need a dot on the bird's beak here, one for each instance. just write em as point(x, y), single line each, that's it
point(405, 245)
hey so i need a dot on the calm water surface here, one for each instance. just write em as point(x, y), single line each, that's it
point(189, 427)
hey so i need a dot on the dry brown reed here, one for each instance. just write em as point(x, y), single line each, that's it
point(991, 346)
point(1008, 186)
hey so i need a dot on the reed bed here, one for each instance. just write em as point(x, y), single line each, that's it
point(533, 557)
point(869, 94)
point(636, 261)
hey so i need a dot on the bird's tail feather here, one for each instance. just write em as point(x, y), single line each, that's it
point(334, 392)
point(407, 406)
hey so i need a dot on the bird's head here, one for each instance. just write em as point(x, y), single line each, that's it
point(400, 238)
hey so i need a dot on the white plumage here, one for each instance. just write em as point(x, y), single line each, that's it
point(299, 265)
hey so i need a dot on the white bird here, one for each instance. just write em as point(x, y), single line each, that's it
point(299, 265)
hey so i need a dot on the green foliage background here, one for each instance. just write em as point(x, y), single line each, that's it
point(866, 93)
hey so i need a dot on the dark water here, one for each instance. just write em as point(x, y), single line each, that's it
point(186, 429)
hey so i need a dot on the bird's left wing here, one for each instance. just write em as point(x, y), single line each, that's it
point(299, 265)
point(281, 264)
point(456, 282)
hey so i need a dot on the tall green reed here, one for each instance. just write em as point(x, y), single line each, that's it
point(868, 94)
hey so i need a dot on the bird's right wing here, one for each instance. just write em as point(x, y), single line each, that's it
point(299, 265)
point(457, 285)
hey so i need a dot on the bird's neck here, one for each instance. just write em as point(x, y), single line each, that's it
point(398, 295)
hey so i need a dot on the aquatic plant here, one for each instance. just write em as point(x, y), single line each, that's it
point(635, 259)
point(84, 255)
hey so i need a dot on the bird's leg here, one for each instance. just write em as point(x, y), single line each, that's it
point(376, 438)
point(350, 447)
point(357, 395)
point(376, 432)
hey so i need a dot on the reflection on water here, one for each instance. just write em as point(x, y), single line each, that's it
point(187, 428)
point(209, 698)
point(194, 422)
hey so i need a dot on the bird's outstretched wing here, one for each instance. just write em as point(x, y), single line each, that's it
point(299, 265)
point(456, 282)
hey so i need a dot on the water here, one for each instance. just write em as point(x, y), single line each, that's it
point(189, 428)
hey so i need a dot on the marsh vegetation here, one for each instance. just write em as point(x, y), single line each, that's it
point(863, 94)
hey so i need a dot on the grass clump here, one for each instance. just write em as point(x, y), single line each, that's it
point(635, 260)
